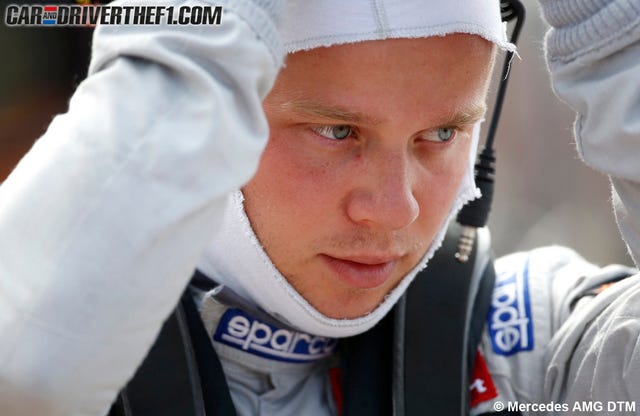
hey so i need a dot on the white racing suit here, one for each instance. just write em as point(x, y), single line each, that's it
point(540, 326)
point(135, 161)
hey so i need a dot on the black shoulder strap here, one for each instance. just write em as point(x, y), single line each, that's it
point(161, 389)
point(217, 399)
point(181, 375)
point(445, 311)
point(367, 371)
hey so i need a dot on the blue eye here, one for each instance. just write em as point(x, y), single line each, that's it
point(446, 134)
point(339, 132)
point(440, 135)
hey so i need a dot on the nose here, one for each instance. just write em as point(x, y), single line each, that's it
point(383, 196)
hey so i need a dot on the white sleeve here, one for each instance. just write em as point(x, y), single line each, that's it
point(104, 219)
point(593, 52)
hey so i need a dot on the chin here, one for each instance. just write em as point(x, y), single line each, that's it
point(350, 308)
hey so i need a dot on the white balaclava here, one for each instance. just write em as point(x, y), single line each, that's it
point(235, 257)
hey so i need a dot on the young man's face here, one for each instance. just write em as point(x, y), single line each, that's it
point(368, 146)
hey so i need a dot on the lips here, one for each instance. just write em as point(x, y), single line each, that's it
point(363, 272)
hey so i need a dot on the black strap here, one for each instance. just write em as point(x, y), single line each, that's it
point(159, 389)
point(217, 399)
point(440, 335)
point(181, 375)
point(366, 371)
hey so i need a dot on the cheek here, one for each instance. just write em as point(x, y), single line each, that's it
point(292, 190)
point(291, 173)
point(439, 183)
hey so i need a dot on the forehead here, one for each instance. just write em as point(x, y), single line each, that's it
point(403, 74)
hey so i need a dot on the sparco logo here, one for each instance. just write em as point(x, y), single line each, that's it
point(510, 325)
point(239, 330)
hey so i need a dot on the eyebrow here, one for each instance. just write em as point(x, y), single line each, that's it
point(316, 109)
point(467, 115)
point(462, 116)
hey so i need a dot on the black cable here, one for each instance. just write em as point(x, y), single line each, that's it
point(476, 213)
point(510, 10)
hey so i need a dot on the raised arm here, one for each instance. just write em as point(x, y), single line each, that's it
point(593, 52)
point(105, 217)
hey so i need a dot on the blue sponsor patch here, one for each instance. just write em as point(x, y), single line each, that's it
point(510, 322)
point(240, 330)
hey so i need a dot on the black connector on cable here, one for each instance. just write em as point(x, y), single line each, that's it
point(475, 214)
